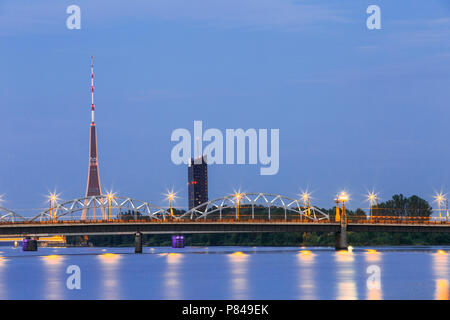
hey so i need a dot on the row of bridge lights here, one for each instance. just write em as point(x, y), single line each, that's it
point(306, 196)
point(54, 197)
point(373, 198)
point(341, 197)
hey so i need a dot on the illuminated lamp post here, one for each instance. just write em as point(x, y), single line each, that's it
point(343, 197)
point(372, 197)
point(439, 198)
point(171, 196)
point(110, 197)
point(53, 198)
point(338, 215)
point(306, 198)
point(238, 200)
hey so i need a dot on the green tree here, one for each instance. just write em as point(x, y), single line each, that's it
point(401, 206)
point(418, 207)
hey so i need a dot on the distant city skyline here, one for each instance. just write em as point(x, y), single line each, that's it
point(357, 109)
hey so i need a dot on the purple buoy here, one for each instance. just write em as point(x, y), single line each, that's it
point(177, 241)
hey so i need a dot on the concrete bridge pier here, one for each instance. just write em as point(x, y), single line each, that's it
point(138, 242)
point(341, 238)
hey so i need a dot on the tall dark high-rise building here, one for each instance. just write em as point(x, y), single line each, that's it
point(197, 182)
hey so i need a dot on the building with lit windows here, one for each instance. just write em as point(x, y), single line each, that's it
point(197, 181)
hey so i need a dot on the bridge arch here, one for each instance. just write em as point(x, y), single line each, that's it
point(255, 206)
point(105, 207)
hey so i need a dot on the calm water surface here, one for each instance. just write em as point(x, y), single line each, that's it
point(226, 273)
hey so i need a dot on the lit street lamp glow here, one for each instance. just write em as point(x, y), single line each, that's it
point(110, 196)
point(170, 195)
point(306, 196)
point(439, 198)
point(343, 197)
point(53, 198)
point(372, 197)
point(238, 195)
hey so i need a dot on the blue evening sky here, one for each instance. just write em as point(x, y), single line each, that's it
point(357, 109)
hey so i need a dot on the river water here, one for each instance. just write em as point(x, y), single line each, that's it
point(227, 273)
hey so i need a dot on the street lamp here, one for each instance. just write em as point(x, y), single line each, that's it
point(372, 197)
point(171, 195)
point(110, 197)
point(343, 197)
point(238, 196)
point(53, 198)
point(337, 218)
point(306, 198)
point(439, 198)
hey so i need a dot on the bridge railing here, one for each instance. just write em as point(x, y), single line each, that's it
point(168, 220)
point(396, 220)
point(362, 220)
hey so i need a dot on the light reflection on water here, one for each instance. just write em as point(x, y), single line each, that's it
point(307, 285)
point(226, 273)
point(3, 291)
point(56, 279)
point(441, 271)
point(345, 276)
point(172, 275)
point(374, 257)
point(239, 274)
point(110, 269)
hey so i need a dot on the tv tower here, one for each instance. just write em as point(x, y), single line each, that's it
point(93, 182)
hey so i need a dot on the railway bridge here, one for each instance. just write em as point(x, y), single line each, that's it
point(234, 213)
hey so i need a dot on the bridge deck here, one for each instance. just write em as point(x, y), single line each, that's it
point(115, 227)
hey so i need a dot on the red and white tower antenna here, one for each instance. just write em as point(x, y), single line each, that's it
point(92, 89)
point(93, 183)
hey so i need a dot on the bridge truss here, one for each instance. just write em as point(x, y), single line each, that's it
point(245, 206)
point(242, 206)
point(9, 216)
point(102, 207)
